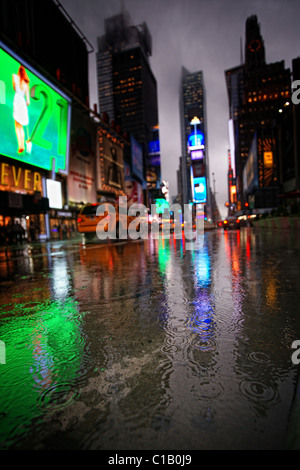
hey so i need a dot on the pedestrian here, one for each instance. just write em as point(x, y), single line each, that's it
point(9, 232)
point(64, 230)
point(15, 232)
point(2, 234)
point(20, 232)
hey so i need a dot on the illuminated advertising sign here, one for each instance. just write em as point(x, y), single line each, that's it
point(18, 179)
point(197, 154)
point(34, 116)
point(196, 141)
point(137, 159)
point(196, 138)
point(54, 194)
point(198, 168)
point(155, 160)
point(154, 147)
point(161, 205)
point(134, 192)
point(268, 159)
point(199, 190)
point(250, 171)
point(231, 143)
point(110, 173)
point(232, 194)
point(82, 173)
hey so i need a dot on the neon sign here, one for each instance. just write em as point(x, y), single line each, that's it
point(197, 154)
point(196, 140)
point(34, 116)
point(199, 190)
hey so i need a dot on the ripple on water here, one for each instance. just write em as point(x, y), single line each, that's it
point(259, 357)
point(209, 389)
point(203, 344)
point(59, 395)
point(259, 392)
point(12, 376)
point(175, 340)
point(164, 371)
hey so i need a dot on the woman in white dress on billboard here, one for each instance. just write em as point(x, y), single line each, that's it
point(20, 105)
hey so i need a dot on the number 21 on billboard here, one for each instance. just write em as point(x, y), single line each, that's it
point(34, 116)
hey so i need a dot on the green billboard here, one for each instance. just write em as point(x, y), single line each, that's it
point(34, 116)
point(161, 205)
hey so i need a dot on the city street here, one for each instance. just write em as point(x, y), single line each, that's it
point(149, 345)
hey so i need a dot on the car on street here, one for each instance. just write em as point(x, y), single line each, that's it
point(231, 223)
point(88, 219)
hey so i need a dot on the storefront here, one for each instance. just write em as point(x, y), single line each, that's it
point(34, 147)
point(23, 207)
point(62, 224)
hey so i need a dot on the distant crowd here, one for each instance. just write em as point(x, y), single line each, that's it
point(13, 233)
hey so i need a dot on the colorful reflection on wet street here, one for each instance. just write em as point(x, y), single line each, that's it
point(150, 345)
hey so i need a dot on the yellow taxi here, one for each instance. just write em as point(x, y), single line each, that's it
point(110, 219)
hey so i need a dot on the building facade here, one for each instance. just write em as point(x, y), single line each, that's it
point(194, 162)
point(71, 155)
point(289, 148)
point(44, 120)
point(257, 91)
point(127, 89)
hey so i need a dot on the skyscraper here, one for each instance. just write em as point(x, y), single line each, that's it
point(192, 103)
point(126, 84)
point(256, 93)
point(193, 124)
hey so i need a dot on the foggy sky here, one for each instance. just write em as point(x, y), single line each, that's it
point(199, 35)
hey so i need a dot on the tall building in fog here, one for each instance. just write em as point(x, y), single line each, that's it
point(127, 87)
point(192, 111)
point(257, 91)
point(192, 103)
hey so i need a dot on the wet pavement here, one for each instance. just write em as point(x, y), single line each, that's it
point(149, 345)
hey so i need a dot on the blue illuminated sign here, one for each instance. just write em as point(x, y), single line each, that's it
point(196, 140)
point(154, 146)
point(199, 189)
point(137, 158)
point(155, 160)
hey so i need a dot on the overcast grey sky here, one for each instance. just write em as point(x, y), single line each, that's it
point(199, 35)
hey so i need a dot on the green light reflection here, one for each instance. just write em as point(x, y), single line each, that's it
point(45, 354)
